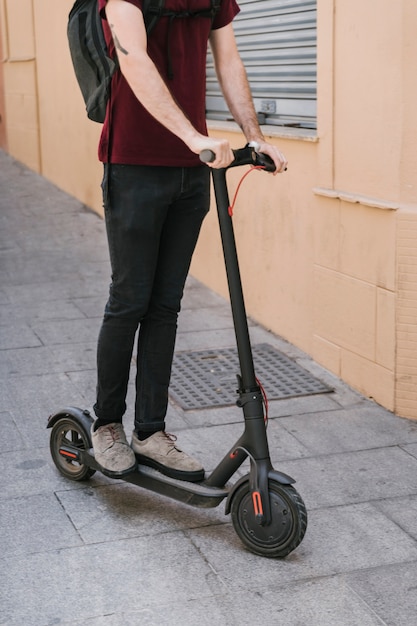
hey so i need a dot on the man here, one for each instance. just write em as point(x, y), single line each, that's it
point(156, 194)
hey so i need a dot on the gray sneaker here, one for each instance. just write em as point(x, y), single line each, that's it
point(159, 451)
point(112, 451)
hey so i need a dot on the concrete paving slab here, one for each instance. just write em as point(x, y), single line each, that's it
point(18, 336)
point(35, 524)
point(31, 472)
point(208, 318)
point(331, 480)
point(40, 311)
point(205, 340)
point(197, 296)
point(48, 360)
point(402, 511)
point(357, 428)
point(25, 361)
point(282, 444)
point(218, 416)
point(34, 398)
point(57, 332)
point(202, 611)
point(11, 438)
point(411, 449)
point(389, 591)
point(320, 603)
point(121, 511)
point(85, 381)
point(303, 405)
point(53, 290)
point(4, 400)
point(105, 578)
point(91, 306)
point(209, 445)
point(20, 269)
point(323, 602)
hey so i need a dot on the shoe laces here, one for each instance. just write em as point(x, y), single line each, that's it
point(171, 440)
point(114, 433)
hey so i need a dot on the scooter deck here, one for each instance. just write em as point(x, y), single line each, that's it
point(195, 494)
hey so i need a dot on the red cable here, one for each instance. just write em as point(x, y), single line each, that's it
point(232, 206)
point(264, 398)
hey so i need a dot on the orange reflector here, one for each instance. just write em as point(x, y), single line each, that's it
point(257, 503)
point(70, 455)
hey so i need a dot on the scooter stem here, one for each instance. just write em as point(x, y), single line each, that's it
point(237, 302)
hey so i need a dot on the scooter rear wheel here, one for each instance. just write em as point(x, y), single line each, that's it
point(69, 432)
point(288, 524)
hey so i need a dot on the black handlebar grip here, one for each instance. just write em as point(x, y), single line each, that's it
point(207, 156)
point(265, 161)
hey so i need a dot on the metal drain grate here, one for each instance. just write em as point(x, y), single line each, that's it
point(207, 378)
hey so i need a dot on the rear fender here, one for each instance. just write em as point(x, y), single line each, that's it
point(80, 416)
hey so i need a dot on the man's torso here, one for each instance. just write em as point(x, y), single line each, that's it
point(136, 135)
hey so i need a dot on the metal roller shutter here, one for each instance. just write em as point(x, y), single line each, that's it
point(277, 42)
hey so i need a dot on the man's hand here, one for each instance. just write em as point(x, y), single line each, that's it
point(220, 148)
point(274, 153)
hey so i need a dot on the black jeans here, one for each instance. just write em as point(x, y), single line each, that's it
point(153, 219)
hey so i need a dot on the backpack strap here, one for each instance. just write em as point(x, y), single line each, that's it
point(152, 11)
point(215, 7)
point(211, 12)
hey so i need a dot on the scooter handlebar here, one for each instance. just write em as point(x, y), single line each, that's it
point(243, 156)
point(207, 156)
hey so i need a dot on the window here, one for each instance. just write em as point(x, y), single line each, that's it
point(277, 42)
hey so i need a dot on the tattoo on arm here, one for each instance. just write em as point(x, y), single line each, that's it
point(117, 43)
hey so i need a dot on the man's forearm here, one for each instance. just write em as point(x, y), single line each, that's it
point(234, 83)
point(236, 90)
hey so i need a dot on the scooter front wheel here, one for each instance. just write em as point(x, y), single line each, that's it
point(288, 520)
point(68, 432)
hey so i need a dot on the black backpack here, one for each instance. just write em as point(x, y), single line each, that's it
point(92, 65)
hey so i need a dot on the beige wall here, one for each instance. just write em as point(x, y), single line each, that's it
point(19, 73)
point(47, 128)
point(329, 250)
point(3, 142)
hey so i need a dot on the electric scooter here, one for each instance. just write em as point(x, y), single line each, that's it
point(267, 512)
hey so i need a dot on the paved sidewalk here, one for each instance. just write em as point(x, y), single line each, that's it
point(106, 553)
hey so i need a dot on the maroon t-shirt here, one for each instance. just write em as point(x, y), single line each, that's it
point(137, 138)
